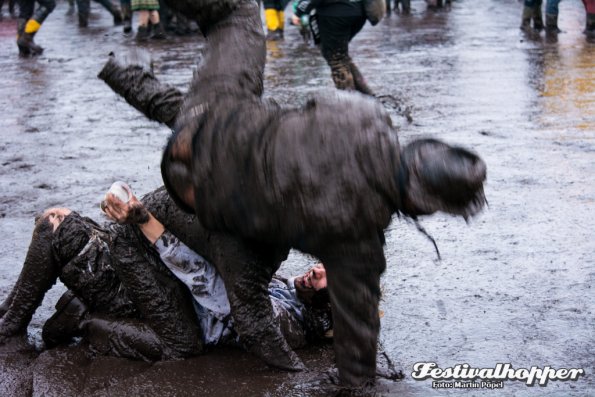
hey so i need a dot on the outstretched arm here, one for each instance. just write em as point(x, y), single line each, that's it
point(133, 79)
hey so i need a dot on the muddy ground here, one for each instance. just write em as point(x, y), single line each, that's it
point(514, 285)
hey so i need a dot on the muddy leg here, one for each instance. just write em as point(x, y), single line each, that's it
point(247, 283)
point(359, 81)
point(125, 338)
point(38, 275)
point(353, 271)
point(162, 301)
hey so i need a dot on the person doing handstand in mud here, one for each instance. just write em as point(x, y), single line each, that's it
point(324, 178)
point(101, 303)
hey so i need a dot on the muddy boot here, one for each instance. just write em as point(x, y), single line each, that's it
point(38, 275)
point(526, 18)
point(342, 76)
point(127, 18)
point(26, 43)
point(359, 80)
point(158, 32)
point(142, 34)
point(83, 20)
point(66, 322)
point(537, 18)
point(590, 26)
point(551, 23)
point(23, 51)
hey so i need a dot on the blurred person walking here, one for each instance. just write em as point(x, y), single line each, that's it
point(29, 22)
point(84, 8)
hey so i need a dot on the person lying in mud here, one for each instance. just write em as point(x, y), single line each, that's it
point(114, 316)
point(324, 178)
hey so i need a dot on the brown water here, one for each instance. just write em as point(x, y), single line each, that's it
point(513, 286)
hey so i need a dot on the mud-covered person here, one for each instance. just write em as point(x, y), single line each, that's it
point(325, 178)
point(169, 302)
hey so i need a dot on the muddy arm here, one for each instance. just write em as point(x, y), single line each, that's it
point(137, 84)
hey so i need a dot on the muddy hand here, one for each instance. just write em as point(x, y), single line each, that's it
point(132, 212)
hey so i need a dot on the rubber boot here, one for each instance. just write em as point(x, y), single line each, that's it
point(23, 51)
point(66, 322)
point(590, 26)
point(281, 18)
point(142, 33)
point(271, 17)
point(25, 40)
point(38, 275)
point(83, 19)
point(359, 81)
point(526, 18)
point(537, 18)
point(127, 18)
point(551, 23)
point(158, 32)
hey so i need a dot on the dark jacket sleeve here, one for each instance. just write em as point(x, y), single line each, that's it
point(138, 85)
point(304, 7)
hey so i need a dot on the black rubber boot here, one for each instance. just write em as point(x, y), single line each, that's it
point(551, 23)
point(83, 20)
point(537, 18)
point(66, 322)
point(158, 32)
point(142, 34)
point(127, 18)
point(38, 275)
point(526, 18)
point(23, 50)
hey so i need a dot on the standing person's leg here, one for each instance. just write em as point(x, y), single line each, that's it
point(551, 16)
point(26, 8)
point(271, 17)
point(83, 7)
point(126, 15)
point(142, 31)
point(335, 33)
point(358, 79)
point(158, 30)
point(33, 24)
point(113, 9)
point(532, 11)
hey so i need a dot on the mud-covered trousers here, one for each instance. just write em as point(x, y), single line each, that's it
point(27, 9)
point(335, 34)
